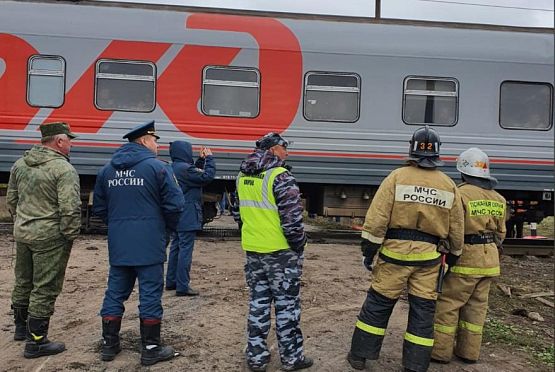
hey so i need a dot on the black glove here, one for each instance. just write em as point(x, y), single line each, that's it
point(369, 250)
point(298, 247)
point(451, 260)
point(367, 262)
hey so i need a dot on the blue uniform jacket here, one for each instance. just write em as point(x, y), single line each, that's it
point(191, 178)
point(138, 197)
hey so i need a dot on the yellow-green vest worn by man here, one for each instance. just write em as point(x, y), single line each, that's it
point(261, 231)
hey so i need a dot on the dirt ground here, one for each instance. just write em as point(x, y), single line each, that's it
point(209, 330)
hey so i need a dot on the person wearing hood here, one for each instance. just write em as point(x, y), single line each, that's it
point(138, 197)
point(191, 177)
point(44, 199)
point(273, 237)
point(416, 209)
point(463, 304)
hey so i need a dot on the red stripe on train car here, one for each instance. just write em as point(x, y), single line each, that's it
point(311, 153)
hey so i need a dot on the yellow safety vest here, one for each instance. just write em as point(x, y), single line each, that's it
point(261, 231)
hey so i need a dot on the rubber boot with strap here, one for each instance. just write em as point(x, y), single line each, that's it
point(37, 343)
point(20, 314)
point(152, 351)
point(110, 337)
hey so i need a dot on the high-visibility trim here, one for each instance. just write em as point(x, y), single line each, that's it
point(411, 256)
point(489, 271)
point(36, 338)
point(374, 239)
point(370, 329)
point(474, 328)
point(419, 340)
point(450, 330)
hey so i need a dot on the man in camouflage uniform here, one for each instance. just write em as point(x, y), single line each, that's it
point(44, 200)
point(272, 234)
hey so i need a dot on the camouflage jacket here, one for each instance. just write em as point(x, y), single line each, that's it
point(44, 196)
point(286, 193)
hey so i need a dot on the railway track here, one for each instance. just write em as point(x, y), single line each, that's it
point(512, 247)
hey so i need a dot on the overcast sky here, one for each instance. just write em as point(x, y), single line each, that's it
point(533, 13)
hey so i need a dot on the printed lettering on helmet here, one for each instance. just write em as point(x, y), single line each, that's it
point(424, 195)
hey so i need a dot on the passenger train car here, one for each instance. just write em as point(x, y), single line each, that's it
point(348, 92)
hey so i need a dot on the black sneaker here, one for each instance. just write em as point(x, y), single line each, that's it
point(256, 368)
point(189, 292)
point(306, 362)
point(355, 361)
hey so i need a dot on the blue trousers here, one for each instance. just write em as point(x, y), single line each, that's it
point(180, 259)
point(121, 281)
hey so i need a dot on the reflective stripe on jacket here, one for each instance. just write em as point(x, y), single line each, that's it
point(261, 231)
point(484, 214)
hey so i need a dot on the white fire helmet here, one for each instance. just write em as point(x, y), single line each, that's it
point(474, 162)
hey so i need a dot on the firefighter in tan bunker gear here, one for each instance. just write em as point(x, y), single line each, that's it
point(415, 208)
point(462, 307)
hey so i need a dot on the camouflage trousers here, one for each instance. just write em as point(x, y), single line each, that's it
point(39, 275)
point(274, 277)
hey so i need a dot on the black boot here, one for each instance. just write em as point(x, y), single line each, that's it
point(110, 338)
point(20, 314)
point(37, 343)
point(152, 352)
point(355, 361)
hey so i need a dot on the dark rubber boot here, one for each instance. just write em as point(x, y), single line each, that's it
point(152, 351)
point(110, 338)
point(355, 361)
point(37, 343)
point(20, 314)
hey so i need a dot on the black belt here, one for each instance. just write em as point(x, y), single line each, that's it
point(479, 239)
point(410, 234)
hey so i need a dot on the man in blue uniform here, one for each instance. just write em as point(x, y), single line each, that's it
point(137, 196)
point(191, 177)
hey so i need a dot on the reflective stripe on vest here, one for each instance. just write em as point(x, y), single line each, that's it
point(425, 256)
point(419, 340)
point(261, 231)
point(489, 271)
point(370, 329)
point(474, 328)
point(450, 330)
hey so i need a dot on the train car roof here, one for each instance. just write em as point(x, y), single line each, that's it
point(517, 13)
point(482, 14)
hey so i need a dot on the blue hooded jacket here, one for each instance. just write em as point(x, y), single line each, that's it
point(191, 178)
point(138, 197)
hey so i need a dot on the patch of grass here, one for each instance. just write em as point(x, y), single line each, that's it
point(546, 355)
point(496, 331)
point(499, 332)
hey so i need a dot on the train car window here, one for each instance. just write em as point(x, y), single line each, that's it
point(122, 85)
point(526, 105)
point(433, 101)
point(230, 91)
point(330, 96)
point(46, 81)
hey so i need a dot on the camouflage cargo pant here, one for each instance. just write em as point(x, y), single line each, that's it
point(39, 275)
point(274, 277)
